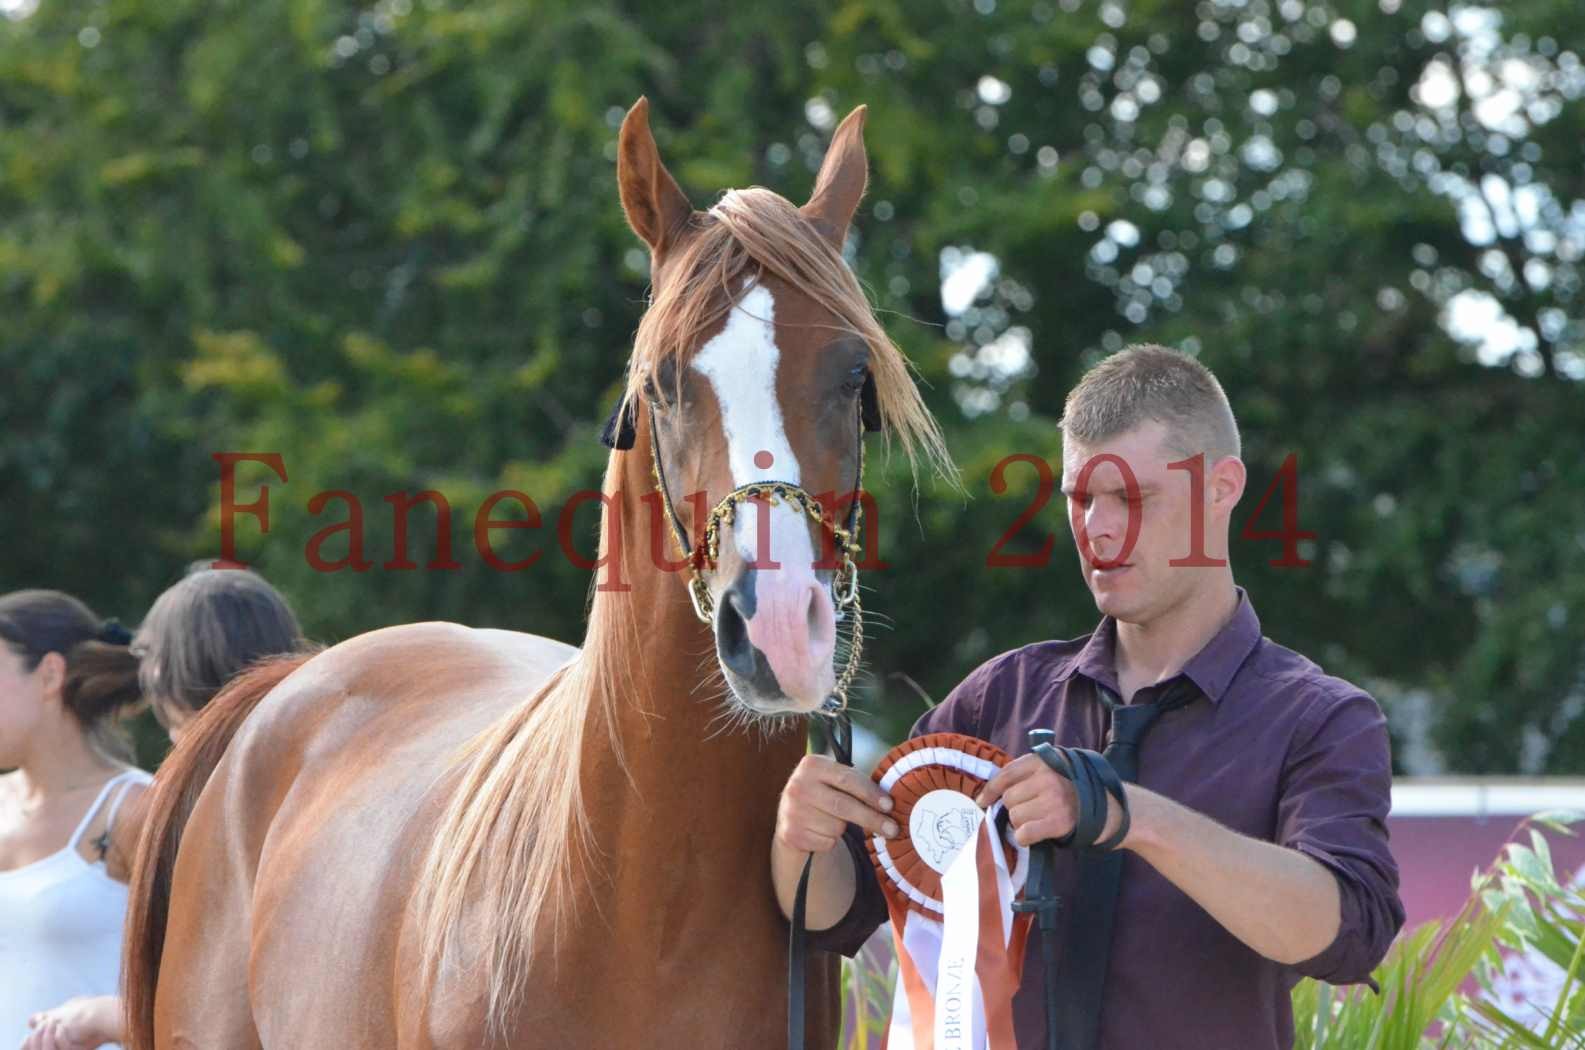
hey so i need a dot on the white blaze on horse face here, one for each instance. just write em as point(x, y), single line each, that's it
point(794, 621)
point(740, 363)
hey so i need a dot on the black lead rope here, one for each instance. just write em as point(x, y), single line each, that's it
point(1040, 898)
point(839, 734)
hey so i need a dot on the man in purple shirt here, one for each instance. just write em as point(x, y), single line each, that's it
point(1257, 850)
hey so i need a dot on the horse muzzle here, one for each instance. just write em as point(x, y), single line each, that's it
point(775, 634)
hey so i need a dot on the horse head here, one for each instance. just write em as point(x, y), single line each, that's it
point(757, 369)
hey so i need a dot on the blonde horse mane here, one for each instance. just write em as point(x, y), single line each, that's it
point(516, 830)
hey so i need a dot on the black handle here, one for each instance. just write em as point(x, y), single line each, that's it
point(1038, 895)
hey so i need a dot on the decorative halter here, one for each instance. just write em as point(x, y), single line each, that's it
point(620, 434)
point(845, 586)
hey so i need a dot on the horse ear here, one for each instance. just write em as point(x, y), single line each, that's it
point(621, 430)
point(840, 184)
point(654, 203)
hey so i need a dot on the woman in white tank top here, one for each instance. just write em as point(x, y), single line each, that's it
point(60, 937)
point(197, 635)
point(63, 674)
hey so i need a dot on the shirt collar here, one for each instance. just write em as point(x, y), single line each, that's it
point(1212, 668)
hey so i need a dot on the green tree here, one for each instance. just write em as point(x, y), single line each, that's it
point(384, 242)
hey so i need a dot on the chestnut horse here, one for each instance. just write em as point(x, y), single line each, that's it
point(431, 836)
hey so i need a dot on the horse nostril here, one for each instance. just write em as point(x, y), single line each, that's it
point(731, 631)
point(734, 647)
point(821, 618)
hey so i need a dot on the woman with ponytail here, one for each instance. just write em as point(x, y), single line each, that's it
point(197, 636)
point(65, 674)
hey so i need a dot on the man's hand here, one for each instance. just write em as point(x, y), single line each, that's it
point(821, 798)
point(1041, 803)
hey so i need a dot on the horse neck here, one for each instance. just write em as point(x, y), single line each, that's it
point(664, 735)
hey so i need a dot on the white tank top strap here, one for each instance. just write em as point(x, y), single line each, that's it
point(134, 776)
point(126, 778)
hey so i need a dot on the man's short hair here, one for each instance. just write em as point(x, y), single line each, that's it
point(1150, 382)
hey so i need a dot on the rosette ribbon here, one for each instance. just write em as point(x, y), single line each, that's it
point(950, 879)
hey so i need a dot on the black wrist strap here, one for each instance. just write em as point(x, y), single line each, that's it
point(1093, 780)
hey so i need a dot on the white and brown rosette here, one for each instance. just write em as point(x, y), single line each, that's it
point(950, 880)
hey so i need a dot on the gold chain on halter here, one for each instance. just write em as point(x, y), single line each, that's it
point(845, 587)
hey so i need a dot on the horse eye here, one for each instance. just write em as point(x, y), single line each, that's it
point(660, 389)
point(855, 379)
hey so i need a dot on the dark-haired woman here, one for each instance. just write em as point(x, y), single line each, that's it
point(198, 634)
point(204, 629)
point(64, 674)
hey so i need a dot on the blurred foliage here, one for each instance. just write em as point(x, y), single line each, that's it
point(1439, 981)
point(385, 242)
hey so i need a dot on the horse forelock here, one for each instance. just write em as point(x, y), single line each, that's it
point(748, 234)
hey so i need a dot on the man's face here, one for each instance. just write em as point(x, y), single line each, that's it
point(1133, 581)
